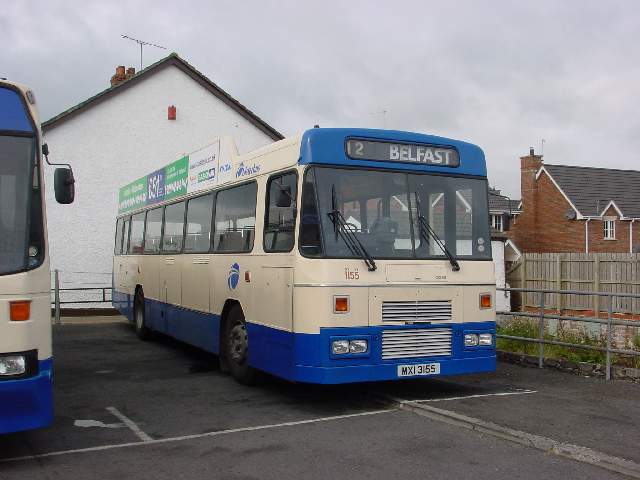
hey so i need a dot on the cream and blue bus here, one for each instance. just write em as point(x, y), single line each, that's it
point(337, 256)
point(25, 280)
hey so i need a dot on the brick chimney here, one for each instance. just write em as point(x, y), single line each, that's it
point(119, 77)
point(529, 166)
point(130, 72)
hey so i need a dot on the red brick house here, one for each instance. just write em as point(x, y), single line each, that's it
point(576, 209)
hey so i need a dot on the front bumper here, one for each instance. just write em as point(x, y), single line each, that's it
point(307, 357)
point(389, 371)
point(27, 403)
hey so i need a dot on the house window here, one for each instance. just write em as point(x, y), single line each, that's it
point(496, 222)
point(609, 229)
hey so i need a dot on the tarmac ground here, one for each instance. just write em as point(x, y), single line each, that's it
point(161, 409)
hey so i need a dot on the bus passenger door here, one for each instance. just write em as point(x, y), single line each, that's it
point(170, 295)
point(273, 310)
point(198, 328)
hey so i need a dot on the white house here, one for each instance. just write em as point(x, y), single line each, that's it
point(143, 121)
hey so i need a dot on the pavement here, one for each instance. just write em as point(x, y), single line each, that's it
point(161, 409)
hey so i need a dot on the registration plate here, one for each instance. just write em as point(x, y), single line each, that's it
point(418, 369)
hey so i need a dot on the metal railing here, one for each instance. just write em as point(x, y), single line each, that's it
point(610, 321)
point(102, 297)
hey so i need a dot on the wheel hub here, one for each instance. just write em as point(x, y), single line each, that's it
point(238, 344)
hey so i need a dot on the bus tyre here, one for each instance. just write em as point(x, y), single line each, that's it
point(138, 317)
point(236, 347)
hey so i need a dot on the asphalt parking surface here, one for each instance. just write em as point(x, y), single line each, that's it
point(160, 409)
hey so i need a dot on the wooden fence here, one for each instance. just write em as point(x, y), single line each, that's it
point(597, 272)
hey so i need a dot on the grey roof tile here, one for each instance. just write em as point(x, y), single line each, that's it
point(500, 202)
point(591, 189)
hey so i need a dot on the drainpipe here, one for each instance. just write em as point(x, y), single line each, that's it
point(586, 235)
point(631, 235)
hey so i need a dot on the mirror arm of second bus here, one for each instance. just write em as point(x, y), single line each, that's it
point(426, 231)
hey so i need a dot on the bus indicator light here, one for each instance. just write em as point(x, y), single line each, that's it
point(19, 311)
point(341, 305)
point(485, 300)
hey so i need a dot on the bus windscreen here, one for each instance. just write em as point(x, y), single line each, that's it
point(380, 209)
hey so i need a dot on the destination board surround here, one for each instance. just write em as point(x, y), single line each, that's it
point(402, 152)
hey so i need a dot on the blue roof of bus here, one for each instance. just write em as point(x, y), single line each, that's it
point(13, 112)
point(327, 146)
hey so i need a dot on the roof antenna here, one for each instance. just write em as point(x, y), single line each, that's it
point(542, 146)
point(141, 43)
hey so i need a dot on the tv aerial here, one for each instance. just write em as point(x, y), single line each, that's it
point(142, 43)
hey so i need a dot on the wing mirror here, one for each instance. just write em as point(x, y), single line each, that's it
point(64, 185)
point(63, 181)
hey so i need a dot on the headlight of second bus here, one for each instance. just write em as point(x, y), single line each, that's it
point(12, 365)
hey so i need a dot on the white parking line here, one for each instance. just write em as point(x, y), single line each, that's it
point(447, 399)
point(129, 423)
point(195, 436)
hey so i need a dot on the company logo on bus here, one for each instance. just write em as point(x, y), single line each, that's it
point(244, 170)
point(234, 276)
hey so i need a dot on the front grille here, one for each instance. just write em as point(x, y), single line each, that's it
point(416, 342)
point(417, 311)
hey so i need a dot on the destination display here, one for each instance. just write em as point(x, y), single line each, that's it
point(402, 152)
point(197, 171)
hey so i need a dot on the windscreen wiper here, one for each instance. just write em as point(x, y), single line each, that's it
point(342, 229)
point(427, 231)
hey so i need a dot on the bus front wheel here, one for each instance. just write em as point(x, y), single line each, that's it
point(236, 348)
point(138, 315)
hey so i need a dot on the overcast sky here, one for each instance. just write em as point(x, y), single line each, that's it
point(503, 75)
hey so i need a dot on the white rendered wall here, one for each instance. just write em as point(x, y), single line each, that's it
point(117, 141)
point(503, 301)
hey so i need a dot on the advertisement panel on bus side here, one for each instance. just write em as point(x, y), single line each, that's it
point(194, 172)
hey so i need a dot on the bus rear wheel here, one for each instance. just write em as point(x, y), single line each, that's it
point(236, 347)
point(138, 316)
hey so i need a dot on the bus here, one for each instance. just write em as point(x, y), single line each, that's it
point(337, 256)
point(25, 280)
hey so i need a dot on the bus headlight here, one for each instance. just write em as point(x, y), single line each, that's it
point(485, 339)
point(470, 340)
point(358, 346)
point(12, 365)
point(351, 347)
point(340, 347)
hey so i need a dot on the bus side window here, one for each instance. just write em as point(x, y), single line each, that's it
point(173, 231)
point(280, 213)
point(125, 235)
point(117, 249)
point(153, 227)
point(235, 221)
point(310, 234)
point(137, 234)
point(199, 212)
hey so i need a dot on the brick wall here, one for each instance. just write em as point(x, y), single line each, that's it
point(543, 227)
point(598, 244)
